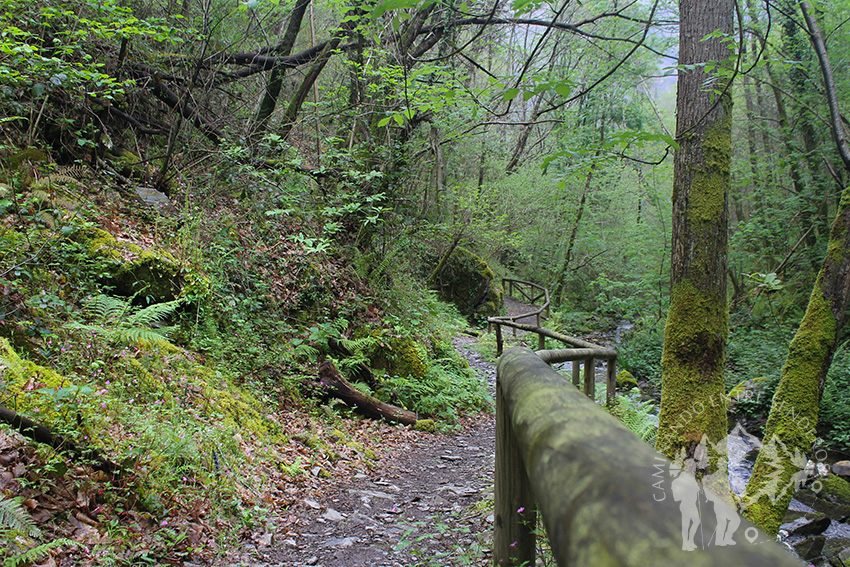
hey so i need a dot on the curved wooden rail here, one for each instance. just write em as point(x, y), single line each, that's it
point(606, 498)
point(531, 293)
point(585, 353)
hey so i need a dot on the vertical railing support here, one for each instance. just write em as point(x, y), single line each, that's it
point(590, 378)
point(611, 367)
point(515, 513)
point(576, 364)
point(499, 341)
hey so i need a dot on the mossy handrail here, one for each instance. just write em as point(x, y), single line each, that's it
point(606, 497)
point(583, 355)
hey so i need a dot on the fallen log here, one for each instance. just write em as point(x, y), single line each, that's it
point(42, 434)
point(332, 383)
point(360, 372)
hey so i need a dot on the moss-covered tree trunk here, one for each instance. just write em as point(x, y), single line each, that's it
point(790, 429)
point(693, 393)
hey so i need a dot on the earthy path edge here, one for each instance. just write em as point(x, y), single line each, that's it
point(426, 502)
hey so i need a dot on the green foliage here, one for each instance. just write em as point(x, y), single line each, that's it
point(640, 353)
point(641, 417)
point(447, 391)
point(116, 320)
point(756, 353)
point(39, 68)
point(16, 522)
point(834, 416)
point(14, 519)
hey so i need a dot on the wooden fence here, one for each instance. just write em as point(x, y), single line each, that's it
point(583, 354)
point(601, 490)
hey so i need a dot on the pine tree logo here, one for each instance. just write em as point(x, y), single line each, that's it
point(778, 458)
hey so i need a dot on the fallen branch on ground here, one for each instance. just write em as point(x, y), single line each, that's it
point(332, 383)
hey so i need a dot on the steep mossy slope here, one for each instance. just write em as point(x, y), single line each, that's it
point(176, 344)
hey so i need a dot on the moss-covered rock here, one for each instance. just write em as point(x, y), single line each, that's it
point(396, 356)
point(28, 387)
point(466, 280)
point(228, 404)
point(13, 162)
point(835, 489)
point(132, 271)
point(128, 163)
point(625, 380)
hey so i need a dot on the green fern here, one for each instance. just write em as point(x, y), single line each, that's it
point(637, 416)
point(119, 322)
point(49, 181)
point(30, 556)
point(154, 315)
point(14, 520)
point(401, 245)
point(363, 388)
point(308, 351)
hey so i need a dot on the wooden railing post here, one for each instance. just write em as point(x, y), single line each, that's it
point(541, 342)
point(611, 366)
point(499, 341)
point(576, 364)
point(590, 378)
point(515, 513)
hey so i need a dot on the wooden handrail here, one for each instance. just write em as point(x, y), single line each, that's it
point(510, 285)
point(586, 352)
point(605, 497)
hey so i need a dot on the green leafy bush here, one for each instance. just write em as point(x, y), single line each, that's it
point(640, 353)
point(641, 417)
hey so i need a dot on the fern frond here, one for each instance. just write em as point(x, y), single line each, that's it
point(401, 245)
point(363, 388)
point(154, 314)
point(638, 417)
point(48, 181)
point(146, 338)
point(77, 172)
point(137, 336)
point(107, 308)
point(40, 195)
point(305, 350)
point(32, 555)
point(13, 518)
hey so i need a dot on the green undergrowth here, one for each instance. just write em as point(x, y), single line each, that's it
point(189, 372)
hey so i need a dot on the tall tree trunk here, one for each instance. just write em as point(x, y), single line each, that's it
point(270, 95)
point(693, 395)
point(560, 278)
point(790, 429)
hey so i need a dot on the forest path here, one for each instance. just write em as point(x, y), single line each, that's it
point(428, 501)
point(515, 307)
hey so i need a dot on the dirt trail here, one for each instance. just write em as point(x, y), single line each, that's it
point(428, 503)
